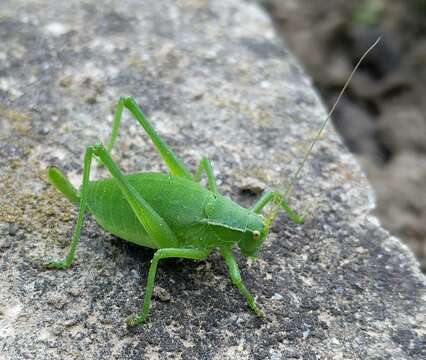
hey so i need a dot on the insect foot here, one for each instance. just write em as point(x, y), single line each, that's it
point(54, 264)
point(258, 312)
point(135, 320)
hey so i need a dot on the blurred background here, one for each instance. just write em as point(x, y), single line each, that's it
point(382, 116)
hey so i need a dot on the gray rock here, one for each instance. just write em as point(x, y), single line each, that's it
point(215, 81)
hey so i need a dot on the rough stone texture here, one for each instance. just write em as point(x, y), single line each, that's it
point(382, 116)
point(215, 81)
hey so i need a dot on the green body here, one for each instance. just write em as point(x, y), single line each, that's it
point(198, 217)
point(172, 212)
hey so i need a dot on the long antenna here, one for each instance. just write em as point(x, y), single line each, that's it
point(280, 198)
point(296, 175)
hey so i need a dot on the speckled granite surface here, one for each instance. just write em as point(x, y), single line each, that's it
point(215, 81)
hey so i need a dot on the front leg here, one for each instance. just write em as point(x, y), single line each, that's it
point(234, 273)
point(273, 196)
point(194, 254)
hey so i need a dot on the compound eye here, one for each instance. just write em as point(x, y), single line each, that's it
point(256, 235)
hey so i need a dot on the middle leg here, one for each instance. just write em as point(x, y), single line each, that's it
point(206, 165)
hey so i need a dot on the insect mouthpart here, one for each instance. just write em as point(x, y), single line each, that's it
point(256, 235)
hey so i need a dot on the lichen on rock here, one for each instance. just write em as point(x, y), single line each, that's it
point(216, 82)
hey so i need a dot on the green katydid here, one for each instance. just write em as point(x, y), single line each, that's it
point(172, 212)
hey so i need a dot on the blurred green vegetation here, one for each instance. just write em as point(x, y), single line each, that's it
point(369, 12)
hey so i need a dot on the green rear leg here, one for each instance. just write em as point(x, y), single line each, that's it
point(156, 228)
point(153, 223)
point(176, 166)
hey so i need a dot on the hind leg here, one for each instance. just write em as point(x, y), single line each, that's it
point(175, 165)
point(156, 227)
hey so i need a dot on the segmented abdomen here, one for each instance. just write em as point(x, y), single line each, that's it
point(197, 217)
point(178, 201)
